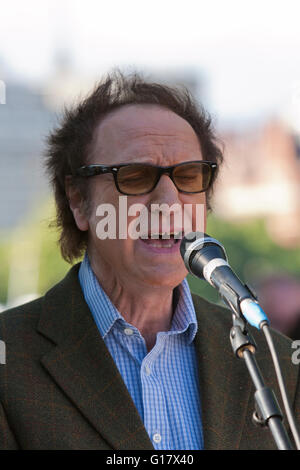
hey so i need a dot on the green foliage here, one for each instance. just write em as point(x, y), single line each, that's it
point(52, 266)
point(33, 239)
point(4, 257)
point(251, 253)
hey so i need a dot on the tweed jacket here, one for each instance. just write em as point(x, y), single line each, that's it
point(60, 388)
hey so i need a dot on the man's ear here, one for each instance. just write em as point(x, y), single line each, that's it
point(76, 204)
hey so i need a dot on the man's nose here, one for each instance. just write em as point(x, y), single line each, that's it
point(165, 201)
point(165, 191)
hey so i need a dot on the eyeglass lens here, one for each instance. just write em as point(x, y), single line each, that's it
point(138, 179)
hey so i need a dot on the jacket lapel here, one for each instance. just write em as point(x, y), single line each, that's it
point(82, 366)
point(224, 386)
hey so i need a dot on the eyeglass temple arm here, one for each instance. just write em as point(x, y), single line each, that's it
point(92, 170)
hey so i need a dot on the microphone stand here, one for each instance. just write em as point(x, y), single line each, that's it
point(267, 411)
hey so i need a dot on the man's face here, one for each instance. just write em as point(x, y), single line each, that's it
point(144, 134)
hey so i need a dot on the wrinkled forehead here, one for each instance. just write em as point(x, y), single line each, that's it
point(138, 127)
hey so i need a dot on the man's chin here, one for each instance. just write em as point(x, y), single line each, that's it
point(162, 275)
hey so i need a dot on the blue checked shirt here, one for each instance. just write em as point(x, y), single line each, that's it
point(163, 383)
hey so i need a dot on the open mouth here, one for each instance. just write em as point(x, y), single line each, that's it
point(163, 240)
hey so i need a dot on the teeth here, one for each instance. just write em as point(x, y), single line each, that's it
point(167, 234)
point(159, 246)
point(164, 235)
point(178, 234)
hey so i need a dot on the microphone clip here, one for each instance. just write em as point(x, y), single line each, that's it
point(240, 338)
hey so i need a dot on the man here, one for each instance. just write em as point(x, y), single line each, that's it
point(120, 355)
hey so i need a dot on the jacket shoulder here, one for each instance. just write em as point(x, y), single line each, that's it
point(18, 320)
point(223, 317)
point(23, 317)
point(212, 312)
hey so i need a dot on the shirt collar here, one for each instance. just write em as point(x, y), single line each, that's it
point(106, 314)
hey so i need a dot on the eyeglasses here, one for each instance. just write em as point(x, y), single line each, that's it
point(135, 179)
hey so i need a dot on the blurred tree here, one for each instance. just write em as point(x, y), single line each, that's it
point(4, 262)
point(251, 253)
point(34, 245)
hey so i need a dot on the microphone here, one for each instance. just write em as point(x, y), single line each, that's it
point(205, 258)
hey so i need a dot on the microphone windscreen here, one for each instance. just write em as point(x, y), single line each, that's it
point(197, 249)
point(190, 238)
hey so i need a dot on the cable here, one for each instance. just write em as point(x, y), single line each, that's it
point(286, 403)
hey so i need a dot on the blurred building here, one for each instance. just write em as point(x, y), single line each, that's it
point(178, 77)
point(65, 86)
point(279, 296)
point(261, 178)
point(24, 123)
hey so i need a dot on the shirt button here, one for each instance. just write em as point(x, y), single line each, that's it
point(157, 438)
point(147, 370)
point(128, 331)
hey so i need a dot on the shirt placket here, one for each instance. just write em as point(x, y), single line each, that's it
point(155, 411)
